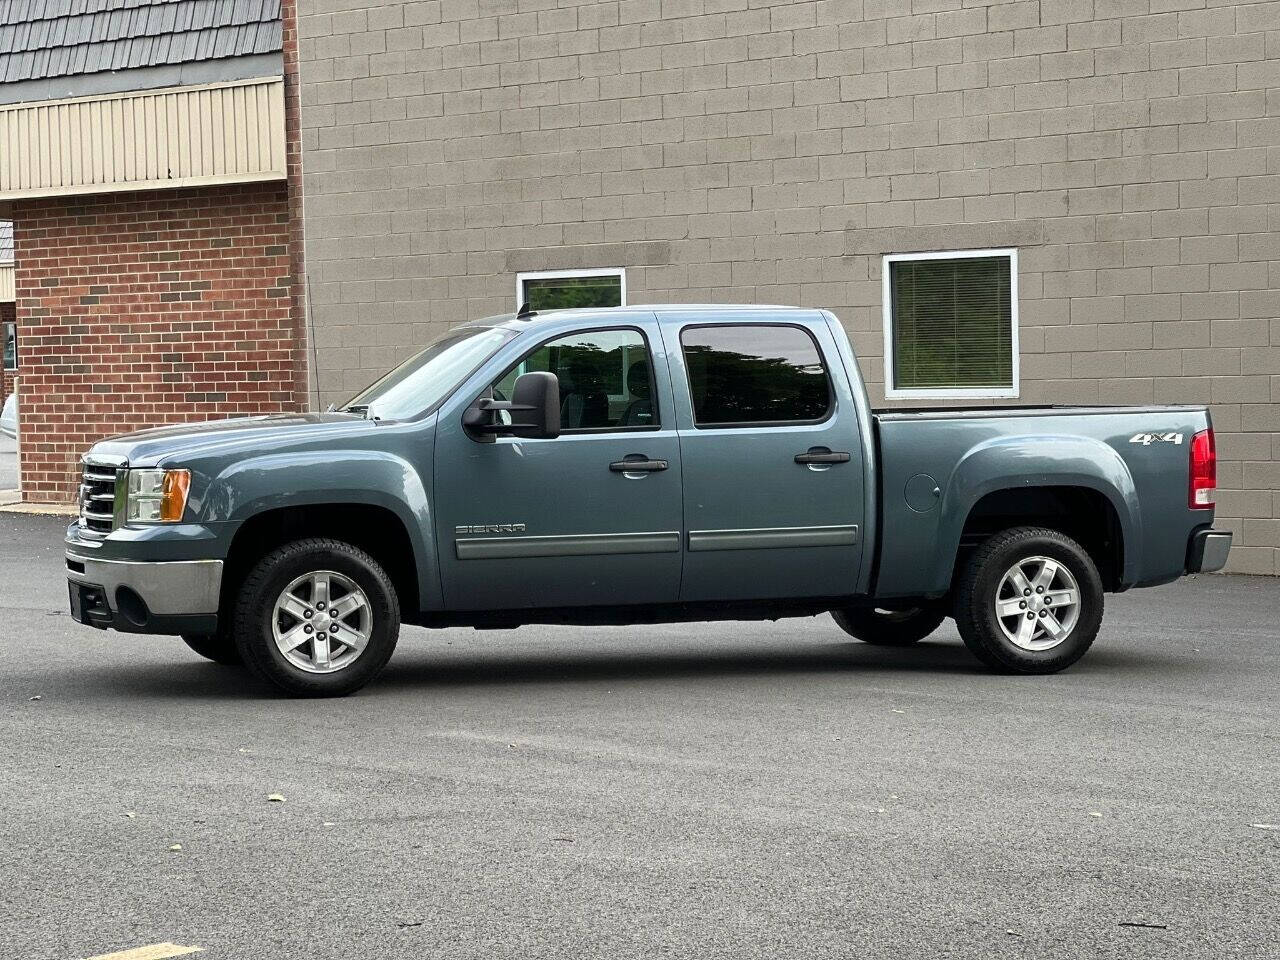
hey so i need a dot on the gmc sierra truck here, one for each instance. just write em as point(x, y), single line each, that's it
point(636, 465)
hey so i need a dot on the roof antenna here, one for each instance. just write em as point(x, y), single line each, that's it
point(524, 312)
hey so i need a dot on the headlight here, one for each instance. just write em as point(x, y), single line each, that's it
point(157, 496)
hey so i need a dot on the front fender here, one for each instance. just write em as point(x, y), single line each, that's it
point(1012, 463)
point(249, 487)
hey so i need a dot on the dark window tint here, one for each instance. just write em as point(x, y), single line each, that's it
point(952, 323)
point(754, 374)
point(606, 381)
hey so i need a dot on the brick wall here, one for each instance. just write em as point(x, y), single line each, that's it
point(747, 150)
point(149, 308)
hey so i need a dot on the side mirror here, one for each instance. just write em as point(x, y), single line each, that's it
point(534, 410)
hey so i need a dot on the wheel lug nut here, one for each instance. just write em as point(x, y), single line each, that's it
point(1043, 612)
point(1039, 589)
point(1022, 604)
point(1030, 615)
point(307, 614)
point(320, 605)
point(307, 628)
point(1026, 592)
point(1048, 600)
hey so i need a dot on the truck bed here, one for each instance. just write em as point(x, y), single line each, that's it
point(1113, 464)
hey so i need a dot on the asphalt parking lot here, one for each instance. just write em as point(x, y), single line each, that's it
point(744, 790)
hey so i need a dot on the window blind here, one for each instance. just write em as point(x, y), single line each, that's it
point(952, 323)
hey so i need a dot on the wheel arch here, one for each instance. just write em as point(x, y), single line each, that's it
point(1074, 484)
point(1084, 514)
point(377, 530)
point(300, 489)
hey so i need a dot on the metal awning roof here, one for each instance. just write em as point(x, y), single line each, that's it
point(43, 39)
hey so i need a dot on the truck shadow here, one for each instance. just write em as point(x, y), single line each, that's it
point(639, 666)
point(849, 659)
point(417, 668)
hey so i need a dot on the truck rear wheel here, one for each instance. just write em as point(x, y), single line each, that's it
point(317, 618)
point(1029, 600)
point(889, 628)
point(219, 647)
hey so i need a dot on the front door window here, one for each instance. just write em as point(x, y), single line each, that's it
point(606, 380)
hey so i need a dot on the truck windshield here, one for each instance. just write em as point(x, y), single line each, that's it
point(425, 379)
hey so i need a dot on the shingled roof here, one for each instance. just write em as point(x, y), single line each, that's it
point(44, 40)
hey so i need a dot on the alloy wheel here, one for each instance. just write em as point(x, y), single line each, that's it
point(322, 622)
point(1038, 603)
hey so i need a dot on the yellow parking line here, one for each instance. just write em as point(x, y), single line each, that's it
point(152, 951)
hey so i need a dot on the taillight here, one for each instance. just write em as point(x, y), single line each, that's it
point(1204, 471)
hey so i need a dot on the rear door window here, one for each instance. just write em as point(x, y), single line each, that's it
point(755, 374)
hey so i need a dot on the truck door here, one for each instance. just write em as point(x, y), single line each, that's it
point(589, 518)
point(769, 444)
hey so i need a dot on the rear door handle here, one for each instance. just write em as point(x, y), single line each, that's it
point(637, 464)
point(822, 455)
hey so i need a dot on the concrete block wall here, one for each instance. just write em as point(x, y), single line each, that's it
point(746, 150)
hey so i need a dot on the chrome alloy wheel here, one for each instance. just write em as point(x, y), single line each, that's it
point(322, 622)
point(1038, 603)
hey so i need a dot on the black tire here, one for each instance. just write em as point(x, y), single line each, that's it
point(978, 590)
point(889, 628)
point(255, 612)
point(219, 647)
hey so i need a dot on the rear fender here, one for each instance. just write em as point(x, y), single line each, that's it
point(1038, 461)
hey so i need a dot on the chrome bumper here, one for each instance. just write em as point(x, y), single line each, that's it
point(167, 588)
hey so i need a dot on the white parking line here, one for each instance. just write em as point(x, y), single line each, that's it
point(152, 951)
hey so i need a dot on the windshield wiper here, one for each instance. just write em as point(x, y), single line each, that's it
point(360, 408)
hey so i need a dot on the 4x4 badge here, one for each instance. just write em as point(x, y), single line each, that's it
point(1146, 439)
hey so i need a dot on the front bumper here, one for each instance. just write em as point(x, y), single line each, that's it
point(177, 596)
point(1208, 550)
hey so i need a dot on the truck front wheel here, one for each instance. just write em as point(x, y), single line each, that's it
point(317, 618)
point(1029, 600)
point(889, 628)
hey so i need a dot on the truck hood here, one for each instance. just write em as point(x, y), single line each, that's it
point(170, 445)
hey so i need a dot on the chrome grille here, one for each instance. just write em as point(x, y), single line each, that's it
point(98, 496)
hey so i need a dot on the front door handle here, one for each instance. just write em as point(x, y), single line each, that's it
point(635, 463)
point(822, 455)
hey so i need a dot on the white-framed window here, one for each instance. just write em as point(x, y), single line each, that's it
point(951, 324)
point(566, 289)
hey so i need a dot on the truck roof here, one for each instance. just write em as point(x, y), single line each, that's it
point(549, 316)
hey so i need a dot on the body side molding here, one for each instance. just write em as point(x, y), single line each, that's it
point(764, 538)
point(572, 545)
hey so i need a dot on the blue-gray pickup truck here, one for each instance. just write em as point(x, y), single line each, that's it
point(636, 465)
